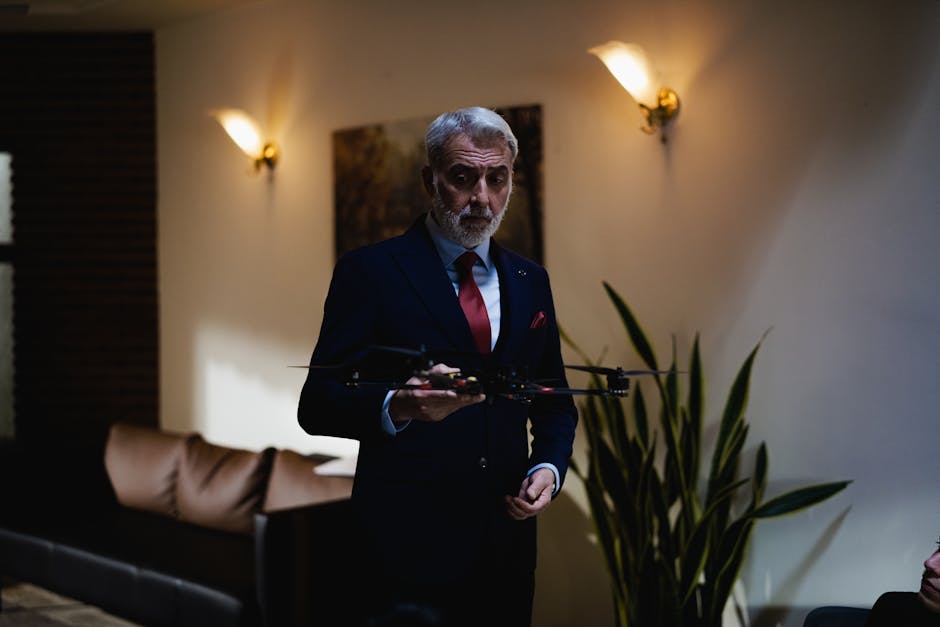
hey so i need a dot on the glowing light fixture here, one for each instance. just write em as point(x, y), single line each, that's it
point(630, 66)
point(246, 134)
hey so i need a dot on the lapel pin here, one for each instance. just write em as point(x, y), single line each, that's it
point(520, 272)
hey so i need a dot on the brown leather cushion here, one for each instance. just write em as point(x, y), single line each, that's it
point(221, 487)
point(294, 484)
point(142, 464)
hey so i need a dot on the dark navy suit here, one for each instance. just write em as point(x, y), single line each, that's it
point(901, 609)
point(429, 500)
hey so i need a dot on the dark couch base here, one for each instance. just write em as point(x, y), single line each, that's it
point(61, 528)
point(143, 567)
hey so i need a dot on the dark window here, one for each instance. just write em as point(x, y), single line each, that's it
point(6, 297)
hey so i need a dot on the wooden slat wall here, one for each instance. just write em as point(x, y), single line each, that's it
point(77, 111)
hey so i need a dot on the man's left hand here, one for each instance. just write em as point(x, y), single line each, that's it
point(535, 495)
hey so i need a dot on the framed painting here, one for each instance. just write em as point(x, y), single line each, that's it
point(378, 191)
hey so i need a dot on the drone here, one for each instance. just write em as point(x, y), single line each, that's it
point(502, 381)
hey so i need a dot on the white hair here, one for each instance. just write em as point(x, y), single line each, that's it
point(477, 123)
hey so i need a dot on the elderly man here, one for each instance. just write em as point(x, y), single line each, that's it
point(447, 485)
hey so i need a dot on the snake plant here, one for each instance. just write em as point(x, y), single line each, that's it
point(673, 539)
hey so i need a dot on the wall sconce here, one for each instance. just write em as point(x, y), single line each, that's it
point(244, 131)
point(629, 65)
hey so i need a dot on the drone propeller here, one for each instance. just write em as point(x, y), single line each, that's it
point(373, 351)
point(410, 352)
point(620, 371)
point(582, 391)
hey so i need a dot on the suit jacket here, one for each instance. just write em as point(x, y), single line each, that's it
point(430, 499)
point(901, 609)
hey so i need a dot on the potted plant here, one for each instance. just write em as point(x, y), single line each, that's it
point(674, 550)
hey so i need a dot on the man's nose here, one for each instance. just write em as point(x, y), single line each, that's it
point(932, 563)
point(481, 193)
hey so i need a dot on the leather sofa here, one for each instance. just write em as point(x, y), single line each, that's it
point(169, 529)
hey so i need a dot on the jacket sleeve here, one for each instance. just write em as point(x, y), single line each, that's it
point(553, 418)
point(329, 405)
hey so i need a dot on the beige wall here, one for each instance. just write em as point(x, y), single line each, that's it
point(798, 193)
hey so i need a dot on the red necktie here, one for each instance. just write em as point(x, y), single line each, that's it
point(472, 301)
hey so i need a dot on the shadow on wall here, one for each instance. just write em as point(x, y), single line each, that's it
point(571, 582)
point(787, 590)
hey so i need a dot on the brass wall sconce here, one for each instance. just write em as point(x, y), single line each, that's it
point(246, 134)
point(630, 66)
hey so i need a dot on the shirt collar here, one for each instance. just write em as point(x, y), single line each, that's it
point(450, 250)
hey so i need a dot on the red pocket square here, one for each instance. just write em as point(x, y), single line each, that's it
point(538, 321)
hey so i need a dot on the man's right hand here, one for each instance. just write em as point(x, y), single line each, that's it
point(429, 405)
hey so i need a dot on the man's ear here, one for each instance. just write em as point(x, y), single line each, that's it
point(427, 176)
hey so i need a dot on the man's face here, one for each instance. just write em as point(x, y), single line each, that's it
point(930, 583)
point(470, 189)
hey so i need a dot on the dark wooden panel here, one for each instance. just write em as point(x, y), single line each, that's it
point(77, 111)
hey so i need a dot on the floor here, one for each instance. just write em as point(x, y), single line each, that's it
point(25, 605)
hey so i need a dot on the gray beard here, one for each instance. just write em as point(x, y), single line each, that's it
point(466, 235)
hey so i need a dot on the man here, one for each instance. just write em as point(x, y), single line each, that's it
point(910, 609)
point(447, 488)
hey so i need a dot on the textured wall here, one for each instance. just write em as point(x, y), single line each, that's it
point(797, 194)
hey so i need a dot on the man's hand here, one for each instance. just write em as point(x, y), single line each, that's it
point(534, 496)
point(429, 405)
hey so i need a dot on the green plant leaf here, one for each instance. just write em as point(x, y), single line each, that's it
point(672, 386)
point(689, 444)
point(760, 476)
point(796, 500)
point(592, 427)
point(727, 475)
point(733, 546)
point(676, 485)
point(614, 481)
point(639, 417)
point(732, 416)
point(696, 409)
point(696, 549)
point(604, 526)
point(732, 457)
point(634, 331)
point(617, 425)
point(659, 511)
point(696, 397)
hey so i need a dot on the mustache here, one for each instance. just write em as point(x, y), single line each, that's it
point(475, 212)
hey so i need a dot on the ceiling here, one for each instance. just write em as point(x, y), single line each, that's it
point(105, 15)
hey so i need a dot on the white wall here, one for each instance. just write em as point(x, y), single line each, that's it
point(798, 192)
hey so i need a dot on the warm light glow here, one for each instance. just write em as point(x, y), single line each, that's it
point(629, 65)
point(245, 396)
point(242, 129)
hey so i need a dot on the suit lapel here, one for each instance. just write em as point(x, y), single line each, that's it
point(515, 298)
point(422, 268)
